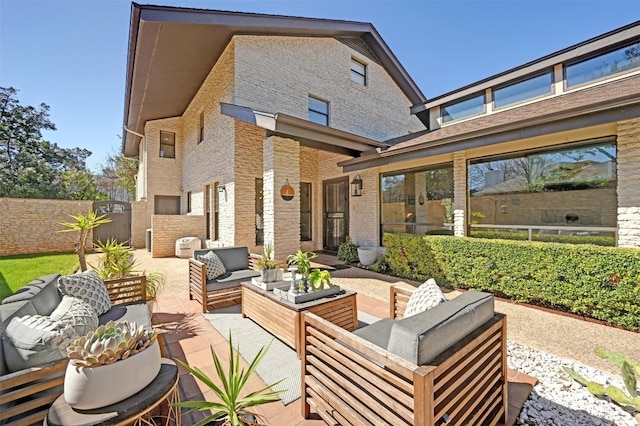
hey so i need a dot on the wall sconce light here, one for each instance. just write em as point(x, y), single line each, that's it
point(503, 208)
point(222, 188)
point(287, 192)
point(421, 199)
point(356, 186)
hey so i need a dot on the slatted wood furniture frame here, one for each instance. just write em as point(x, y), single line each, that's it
point(284, 319)
point(350, 381)
point(216, 298)
point(34, 389)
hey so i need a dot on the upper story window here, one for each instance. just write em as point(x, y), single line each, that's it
point(318, 111)
point(167, 144)
point(462, 109)
point(201, 128)
point(604, 65)
point(358, 72)
point(521, 91)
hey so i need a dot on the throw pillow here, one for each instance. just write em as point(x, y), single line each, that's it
point(213, 264)
point(76, 313)
point(424, 297)
point(35, 340)
point(87, 286)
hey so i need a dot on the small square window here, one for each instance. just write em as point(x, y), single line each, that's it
point(167, 144)
point(318, 111)
point(358, 72)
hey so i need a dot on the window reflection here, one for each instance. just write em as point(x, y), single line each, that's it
point(619, 60)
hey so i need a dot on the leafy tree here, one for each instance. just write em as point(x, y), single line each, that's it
point(117, 177)
point(31, 167)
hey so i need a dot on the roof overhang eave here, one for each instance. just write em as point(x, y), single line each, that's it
point(303, 130)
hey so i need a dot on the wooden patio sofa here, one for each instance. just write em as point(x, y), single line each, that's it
point(350, 380)
point(225, 290)
point(26, 395)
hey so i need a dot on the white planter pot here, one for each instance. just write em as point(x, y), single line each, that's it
point(269, 275)
point(367, 255)
point(86, 388)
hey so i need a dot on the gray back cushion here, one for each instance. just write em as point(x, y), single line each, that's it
point(233, 258)
point(422, 337)
point(48, 297)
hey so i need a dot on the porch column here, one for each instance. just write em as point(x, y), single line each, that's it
point(628, 178)
point(281, 221)
point(459, 193)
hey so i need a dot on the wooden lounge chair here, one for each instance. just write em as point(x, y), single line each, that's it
point(349, 379)
point(224, 290)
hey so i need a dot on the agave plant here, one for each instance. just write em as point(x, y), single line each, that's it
point(109, 343)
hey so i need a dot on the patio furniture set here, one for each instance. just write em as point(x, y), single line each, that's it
point(31, 365)
point(443, 365)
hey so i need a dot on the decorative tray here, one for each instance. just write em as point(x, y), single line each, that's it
point(268, 286)
point(283, 293)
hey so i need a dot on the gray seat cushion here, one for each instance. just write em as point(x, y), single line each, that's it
point(233, 258)
point(422, 337)
point(137, 312)
point(231, 279)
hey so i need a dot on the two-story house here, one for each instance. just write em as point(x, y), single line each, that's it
point(255, 128)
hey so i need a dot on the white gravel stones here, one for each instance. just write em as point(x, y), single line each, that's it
point(557, 400)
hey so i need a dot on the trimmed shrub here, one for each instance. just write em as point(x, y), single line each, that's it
point(598, 282)
point(348, 251)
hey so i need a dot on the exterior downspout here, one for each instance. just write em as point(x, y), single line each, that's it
point(144, 149)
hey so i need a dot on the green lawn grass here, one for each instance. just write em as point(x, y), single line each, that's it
point(18, 270)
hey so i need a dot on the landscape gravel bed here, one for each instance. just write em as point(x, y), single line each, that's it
point(557, 400)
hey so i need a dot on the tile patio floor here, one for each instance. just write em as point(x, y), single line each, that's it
point(188, 336)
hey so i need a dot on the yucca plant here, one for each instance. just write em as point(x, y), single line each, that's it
point(302, 259)
point(117, 260)
point(82, 225)
point(232, 409)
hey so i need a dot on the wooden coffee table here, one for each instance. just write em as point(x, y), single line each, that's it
point(283, 319)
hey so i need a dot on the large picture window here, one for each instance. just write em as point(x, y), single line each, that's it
point(418, 201)
point(564, 195)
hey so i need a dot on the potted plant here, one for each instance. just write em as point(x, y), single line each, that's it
point(267, 265)
point(118, 262)
point(113, 354)
point(302, 259)
point(231, 409)
point(319, 278)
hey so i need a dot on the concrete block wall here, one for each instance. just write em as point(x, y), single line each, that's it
point(168, 228)
point(277, 74)
point(629, 183)
point(32, 225)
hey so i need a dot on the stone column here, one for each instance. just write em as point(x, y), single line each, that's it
point(459, 193)
point(629, 183)
point(281, 218)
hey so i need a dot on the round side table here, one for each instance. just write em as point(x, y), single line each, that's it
point(150, 406)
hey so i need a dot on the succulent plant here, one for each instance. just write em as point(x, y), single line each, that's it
point(109, 343)
point(628, 371)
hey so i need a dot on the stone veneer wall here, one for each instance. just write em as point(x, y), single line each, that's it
point(168, 228)
point(459, 193)
point(31, 225)
point(364, 211)
point(629, 183)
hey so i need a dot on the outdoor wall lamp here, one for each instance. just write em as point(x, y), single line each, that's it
point(222, 188)
point(356, 186)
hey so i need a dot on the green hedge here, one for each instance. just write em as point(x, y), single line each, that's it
point(598, 282)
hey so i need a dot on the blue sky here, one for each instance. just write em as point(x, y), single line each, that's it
point(72, 55)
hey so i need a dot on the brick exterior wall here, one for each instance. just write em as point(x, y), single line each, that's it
point(629, 183)
point(30, 225)
point(364, 211)
point(168, 228)
point(139, 224)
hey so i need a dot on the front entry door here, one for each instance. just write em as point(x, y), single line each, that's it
point(336, 212)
